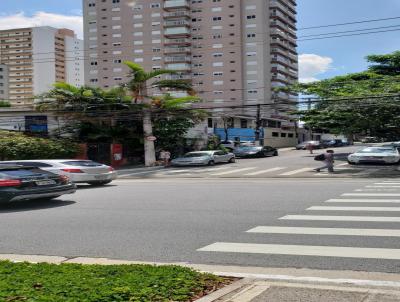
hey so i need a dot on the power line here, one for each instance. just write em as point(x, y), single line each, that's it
point(349, 31)
point(350, 35)
point(348, 23)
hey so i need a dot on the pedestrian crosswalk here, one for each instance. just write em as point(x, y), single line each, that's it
point(365, 212)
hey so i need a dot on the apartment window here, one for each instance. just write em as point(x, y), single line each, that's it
point(217, 18)
point(155, 5)
point(251, 17)
point(243, 123)
point(275, 134)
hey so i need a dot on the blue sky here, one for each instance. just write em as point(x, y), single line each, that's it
point(320, 58)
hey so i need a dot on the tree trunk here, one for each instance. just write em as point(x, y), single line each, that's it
point(149, 149)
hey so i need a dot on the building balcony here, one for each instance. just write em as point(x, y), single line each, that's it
point(177, 50)
point(179, 66)
point(182, 77)
point(180, 42)
point(178, 14)
point(176, 23)
point(275, 4)
point(283, 35)
point(177, 31)
point(176, 4)
point(178, 59)
point(284, 44)
point(276, 23)
point(283, 17)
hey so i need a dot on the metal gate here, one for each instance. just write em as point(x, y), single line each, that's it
point(99, 152)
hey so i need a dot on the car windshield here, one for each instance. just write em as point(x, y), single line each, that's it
point(248, 148)
point(378, 150)
point(82, 163)
point(195, 154)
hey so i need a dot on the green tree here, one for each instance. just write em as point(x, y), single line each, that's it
point(140, 87)
point(358, 103)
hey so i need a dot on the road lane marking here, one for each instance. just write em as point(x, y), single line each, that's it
point(376, 190)
point(387, 183)
point(232, 171)
point(303, 250)
point(265, 171)
point(341, 218)
point(325, 231)
point(371, 194)
point(296, 171)
point(341, 165)
point(137, 173)
point(378, 186)
point(365, 200)
point(362, 209)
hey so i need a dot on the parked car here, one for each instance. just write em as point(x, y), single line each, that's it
point(378, 155)
point(370, 139)
point(332, 143)
point(253, 151)
point(393, 145)
point(230, 145)
point(78, 171)
point(303, 145)
point(202, 158)
point(18, 183)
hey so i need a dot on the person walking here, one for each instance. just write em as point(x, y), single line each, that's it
point(310, 148)
point(328, 159)
point(165, 156)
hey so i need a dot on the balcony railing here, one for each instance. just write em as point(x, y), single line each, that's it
point(179, 14)
point(174, 4)
point(171, 50)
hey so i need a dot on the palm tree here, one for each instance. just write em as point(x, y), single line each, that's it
point(139, 87)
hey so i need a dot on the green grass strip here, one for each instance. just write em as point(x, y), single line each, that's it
point(97, 283)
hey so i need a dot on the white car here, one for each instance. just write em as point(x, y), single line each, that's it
point(78, 171)
point(203, 158)
point(379, 155)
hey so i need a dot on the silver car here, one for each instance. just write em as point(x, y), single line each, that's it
point(203, 158)
point(78, 171)
point(378, 155)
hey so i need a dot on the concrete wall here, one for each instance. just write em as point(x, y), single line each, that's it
point(284, 138)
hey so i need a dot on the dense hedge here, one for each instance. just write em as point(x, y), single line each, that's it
point(97, 283)
point(19, 146)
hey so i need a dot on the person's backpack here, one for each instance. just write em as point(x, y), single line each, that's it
point(320, 157)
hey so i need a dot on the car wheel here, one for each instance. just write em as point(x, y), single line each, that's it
point(276, 153)
point(99, 183)
point(211, 163)
point(351, 163)
point(232, 160)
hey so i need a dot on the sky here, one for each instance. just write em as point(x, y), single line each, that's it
point(318, 59)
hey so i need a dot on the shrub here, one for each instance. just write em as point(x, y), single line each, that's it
point(19, 146)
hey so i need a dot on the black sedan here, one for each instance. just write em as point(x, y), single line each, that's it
point(19, 183)
point(254, 151)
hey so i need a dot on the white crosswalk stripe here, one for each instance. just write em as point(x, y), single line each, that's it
point(264, 171)
point(298, 171)
point(361, 209)
point(382, 186)
point(371, 194)
point(341, 218)
point(325, 231)
point(233, 171)
point(364, 200)
point(303, 250)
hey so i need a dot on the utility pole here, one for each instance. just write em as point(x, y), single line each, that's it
point(309, 107)
point(258, 125)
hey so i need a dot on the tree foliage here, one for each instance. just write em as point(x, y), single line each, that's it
point(359, 103)
point(19, 146)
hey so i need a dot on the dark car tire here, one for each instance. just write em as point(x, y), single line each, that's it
point(232, 160)
point(351, 163)
point(211, 163)
point(99, 183)
point(276, 153)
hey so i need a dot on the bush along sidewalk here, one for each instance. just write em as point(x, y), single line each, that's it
point(96, 283)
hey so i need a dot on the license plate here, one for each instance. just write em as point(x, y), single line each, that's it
point(100, 177)
point(45, 182)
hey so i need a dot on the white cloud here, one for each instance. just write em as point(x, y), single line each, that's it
point(20, 20)
point(311, 65)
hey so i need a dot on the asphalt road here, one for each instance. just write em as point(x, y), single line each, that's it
point(289, 164)
point(169, 220)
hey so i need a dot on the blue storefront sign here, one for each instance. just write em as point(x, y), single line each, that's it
point(238, 134)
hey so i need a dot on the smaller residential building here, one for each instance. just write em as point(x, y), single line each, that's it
point(36, 58)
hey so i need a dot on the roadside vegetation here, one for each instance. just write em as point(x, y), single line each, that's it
point(98, 283)
point(14, 145)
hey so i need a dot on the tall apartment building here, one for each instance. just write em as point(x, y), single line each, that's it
point(36, 58)
point(233, 51)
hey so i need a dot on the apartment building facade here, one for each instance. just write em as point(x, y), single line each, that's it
point(38, 57)
point(233, 51)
